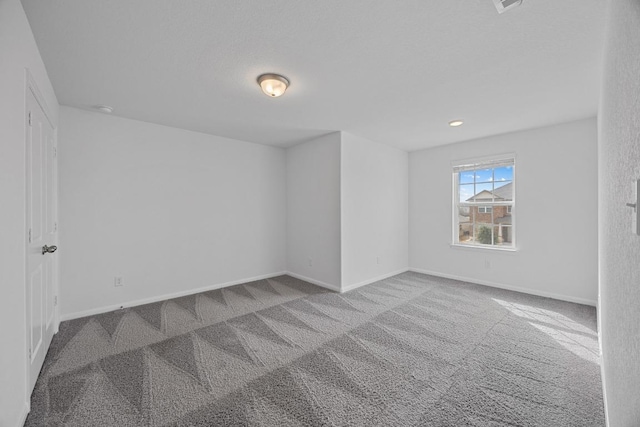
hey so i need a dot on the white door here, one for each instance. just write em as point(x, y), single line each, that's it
point(41, 234)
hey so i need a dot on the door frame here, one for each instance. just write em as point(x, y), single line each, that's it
point(31, 86)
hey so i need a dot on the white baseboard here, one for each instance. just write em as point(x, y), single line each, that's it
point(157, 298)
point(508, 287)
point(346, 288)
point(375, 279)
point(604, 388)
point(23, 414)
point(314, 281)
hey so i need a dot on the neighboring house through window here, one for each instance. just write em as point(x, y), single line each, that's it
point(483, 203)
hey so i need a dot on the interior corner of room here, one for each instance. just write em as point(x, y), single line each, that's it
point(141, 205)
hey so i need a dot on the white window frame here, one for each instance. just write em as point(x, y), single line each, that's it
point(487, 162)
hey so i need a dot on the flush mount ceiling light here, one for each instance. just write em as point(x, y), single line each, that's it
point(104, 108)
point(455, 123)
point(273, 85)
point(504, 5)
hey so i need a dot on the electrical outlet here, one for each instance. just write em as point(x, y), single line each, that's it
point(310, 262)
point(118, 281)
point(377, 260)
point(487, 264)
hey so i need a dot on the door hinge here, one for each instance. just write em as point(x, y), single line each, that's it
point(29, 235)
point(29, 118)
point(55, 300)
point(29, 353)
point(55, 226)
point(55, 151)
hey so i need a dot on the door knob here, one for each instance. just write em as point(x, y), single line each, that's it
point(49, 249)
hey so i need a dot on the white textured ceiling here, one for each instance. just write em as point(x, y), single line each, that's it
point(391, 71)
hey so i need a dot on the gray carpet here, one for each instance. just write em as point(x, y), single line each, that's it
point(412, 350)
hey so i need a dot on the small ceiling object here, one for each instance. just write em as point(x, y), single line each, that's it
point(104, 108)
point(504, 5)
point(273, 85)
point(455, 123)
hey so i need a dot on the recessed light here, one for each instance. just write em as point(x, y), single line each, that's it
point(455, 123)
point(104, 108)
point(273, 85)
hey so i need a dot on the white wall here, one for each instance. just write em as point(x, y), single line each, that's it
point(169, 210)
point(619, 163)
point(375, 217)
point(556, 198)
point(17, 52)
point(313, 211)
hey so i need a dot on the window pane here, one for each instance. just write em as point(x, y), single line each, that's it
point(503, 234)
point(465, 225)
point(484, 233)
point(501, 213)
point(503, 191)
point(483, 193)
point(482, 214)
point(504, 173)
point(466, 177)
point(466, 192)
point(484, 175)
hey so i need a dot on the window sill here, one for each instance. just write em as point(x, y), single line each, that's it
point(482, 248)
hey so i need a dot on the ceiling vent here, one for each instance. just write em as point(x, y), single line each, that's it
point(504, 5)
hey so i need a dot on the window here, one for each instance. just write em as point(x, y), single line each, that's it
point(484, 198)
